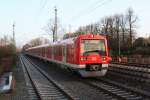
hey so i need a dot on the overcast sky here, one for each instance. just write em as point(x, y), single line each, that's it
point(31, 16)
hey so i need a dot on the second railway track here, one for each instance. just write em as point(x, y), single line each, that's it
point(118, 91)
point(45, 88)
point(141, 74)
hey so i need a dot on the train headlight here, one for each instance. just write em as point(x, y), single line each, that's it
point(82, 59)
point(103, 58)
point(91, 35)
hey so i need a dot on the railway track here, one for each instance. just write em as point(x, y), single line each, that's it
point(118, 91)
point(44, 86)
point(133, 64)
point(32, 94)
point(141, 74)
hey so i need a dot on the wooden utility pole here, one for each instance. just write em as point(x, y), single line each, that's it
point(14, 34)
point(55, 26)
point(69, 28)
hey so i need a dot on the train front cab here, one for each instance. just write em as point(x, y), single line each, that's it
point(93, 55)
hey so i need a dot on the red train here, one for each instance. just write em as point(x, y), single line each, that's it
point(86, 54)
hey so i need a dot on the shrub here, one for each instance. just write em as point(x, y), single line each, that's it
point(7, 57)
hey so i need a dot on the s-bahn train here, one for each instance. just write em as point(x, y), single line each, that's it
point(87, 54)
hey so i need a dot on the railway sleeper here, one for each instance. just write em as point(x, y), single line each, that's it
point(146, 75)
point(131, 68)
point(129, 77)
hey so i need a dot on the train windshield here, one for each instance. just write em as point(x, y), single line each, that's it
point(93, 47)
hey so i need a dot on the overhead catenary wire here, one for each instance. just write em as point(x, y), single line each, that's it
point(85, 12)
point(44, 4)
point(102, 4)
point(40, 10)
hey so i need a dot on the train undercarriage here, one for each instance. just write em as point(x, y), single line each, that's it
point(93, 70)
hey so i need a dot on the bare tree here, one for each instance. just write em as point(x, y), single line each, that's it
point(123, 27)
point(105, 24)
point(96, 29)
point(38, 41)
point(117, 25)
point(5, 40)
point(111, 25)
point(50, 29)
point(35, 42)
point(132, 23)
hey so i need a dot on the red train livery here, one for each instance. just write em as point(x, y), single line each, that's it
point(87, 54)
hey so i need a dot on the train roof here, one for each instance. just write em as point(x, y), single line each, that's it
point(40, 46)
point(92, 36)
point(66, 41)
point(70, 40)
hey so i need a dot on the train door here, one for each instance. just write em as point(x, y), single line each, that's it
point(52, 52)
point(64, 53)
point(45, 52)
